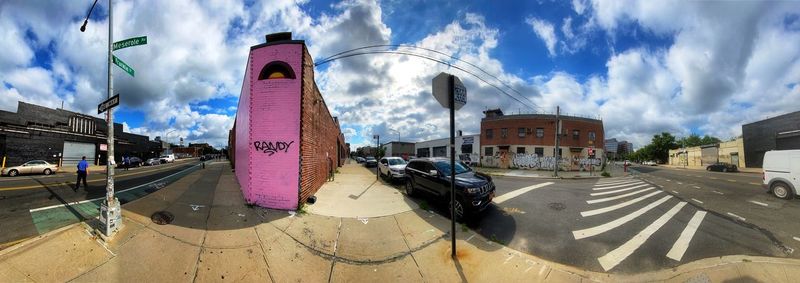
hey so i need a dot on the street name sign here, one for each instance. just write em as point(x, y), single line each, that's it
point(142, 40)
point(442, 94)
point(123, 66)
point(111, 102)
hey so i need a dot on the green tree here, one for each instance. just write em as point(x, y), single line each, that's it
point(659, 147)
point(709, 140)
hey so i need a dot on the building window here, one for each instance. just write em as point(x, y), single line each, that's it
point(504, 132)
point(559, 152)
point(591, 135)
point(521, 132)
point(539, 132)
point(488, 151)
point(576, 134)
point(521, 150)
point(489, 133)
point(539, 151)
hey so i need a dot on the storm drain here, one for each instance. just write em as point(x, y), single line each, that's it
point(556, 206)
point(162, 217)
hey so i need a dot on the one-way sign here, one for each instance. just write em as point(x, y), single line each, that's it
point(110, 103)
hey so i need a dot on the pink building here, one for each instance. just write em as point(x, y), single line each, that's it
point(284, 142)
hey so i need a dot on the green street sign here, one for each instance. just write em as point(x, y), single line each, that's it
point(129, 42)
point(123, 66)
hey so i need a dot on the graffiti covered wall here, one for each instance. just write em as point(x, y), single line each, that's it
point(535, 162)
point(268, 129)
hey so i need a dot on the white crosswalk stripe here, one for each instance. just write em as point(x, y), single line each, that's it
point(616, 183)
point(617, 206)
point(680, 246)
point(619, 196)
point(617, 186)
point(618, 191)
point(518, 192)
point(585, 233)
point(614, 180)
point(613, 258)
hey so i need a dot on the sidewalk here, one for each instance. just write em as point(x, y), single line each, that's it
point(216, 237)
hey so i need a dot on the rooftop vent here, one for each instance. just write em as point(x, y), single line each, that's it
point(280, 36)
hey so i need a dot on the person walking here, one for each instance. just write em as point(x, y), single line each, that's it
point(126, 162)
point(83, 170)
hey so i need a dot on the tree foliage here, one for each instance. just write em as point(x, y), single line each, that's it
point(695, 140)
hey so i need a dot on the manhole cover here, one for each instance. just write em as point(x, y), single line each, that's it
point(556, 206)
point(162, 218)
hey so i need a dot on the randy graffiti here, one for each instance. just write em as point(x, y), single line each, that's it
point(535, 162)
point(272, 147)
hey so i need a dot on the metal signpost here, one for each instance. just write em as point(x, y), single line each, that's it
point(451, 93)
point(110, 212)
point(377, 152)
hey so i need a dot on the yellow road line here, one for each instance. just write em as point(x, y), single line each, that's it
point(713, 178)
point(729, 180)
point(87, 181)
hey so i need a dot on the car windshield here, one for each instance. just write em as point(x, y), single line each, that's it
point(396, 161)
point(370, 158)
point(444, 167)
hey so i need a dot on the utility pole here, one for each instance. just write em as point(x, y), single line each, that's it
point(558, 138)
point(377, 149)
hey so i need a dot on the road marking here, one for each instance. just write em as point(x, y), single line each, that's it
point(617, 186)
point(680, 246)
point(667, 180)
point(117, 192)
point(588, 232)
point(65, 183)
point(679, 183)
point(675, 192)
point(696, 200)
point(751, 183)
point(758, 203)
point(796, 239)
point(696, 187)
point(713, 178)
point(737, 216)
point(518, 192)
point(729, 180)
point(617, 191)
point(613, 258)
point(718, 192)
point(619, 196)
point(617, 206)
point(599, 184)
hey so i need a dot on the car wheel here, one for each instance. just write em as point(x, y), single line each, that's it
point(409, 187)
point(47, 171)
point(708, 168)
point(459, 207)
point(781, 190)
point(13, 173)
point(724, 169)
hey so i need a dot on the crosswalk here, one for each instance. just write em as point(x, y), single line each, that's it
point(615, 194)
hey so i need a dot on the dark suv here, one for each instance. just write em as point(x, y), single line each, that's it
point(474, 191)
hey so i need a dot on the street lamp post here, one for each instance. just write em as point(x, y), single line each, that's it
point(110, 213)
point(377, 148)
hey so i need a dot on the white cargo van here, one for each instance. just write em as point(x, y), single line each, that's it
point(781, 172)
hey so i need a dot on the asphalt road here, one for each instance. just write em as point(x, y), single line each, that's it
point(20, 195)
point(629, 225)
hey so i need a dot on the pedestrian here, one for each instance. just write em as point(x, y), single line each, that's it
point(126, 161)
point(83, 170)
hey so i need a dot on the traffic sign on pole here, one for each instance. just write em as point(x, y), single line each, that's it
point(123, 66)
point(142, 40)
point(441, 91)
point(109, 103)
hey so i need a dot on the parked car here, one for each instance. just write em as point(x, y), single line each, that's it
point(781, 173)
point(474, 190)
point(722, 167)
point(360, 159)
point(370, 162)
point(392, 167)
point(31, 167)
point(168, 158)
point(649, 163)
point(152, 161)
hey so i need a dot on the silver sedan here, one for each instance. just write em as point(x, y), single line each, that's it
point(31, 167)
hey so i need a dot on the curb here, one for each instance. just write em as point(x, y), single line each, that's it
point(35, 239)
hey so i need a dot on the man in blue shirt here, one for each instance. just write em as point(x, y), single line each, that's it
point(83, 170)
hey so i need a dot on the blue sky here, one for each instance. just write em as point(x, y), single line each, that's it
point(644, 67)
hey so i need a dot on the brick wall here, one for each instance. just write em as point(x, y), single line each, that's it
point(322, 142)
point(547, 122)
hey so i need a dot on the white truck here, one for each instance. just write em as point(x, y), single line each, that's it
point(168, 158)
point(781, 173)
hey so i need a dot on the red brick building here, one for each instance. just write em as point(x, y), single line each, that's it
point(534, 134)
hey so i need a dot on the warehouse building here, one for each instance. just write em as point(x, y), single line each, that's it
point(467, 147)
point(62, 137)
point(776, 133)
point(399, 149)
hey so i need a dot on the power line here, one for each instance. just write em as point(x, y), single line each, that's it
point(534, 107)
point(344, 54)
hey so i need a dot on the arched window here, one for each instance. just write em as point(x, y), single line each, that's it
point(276, 70)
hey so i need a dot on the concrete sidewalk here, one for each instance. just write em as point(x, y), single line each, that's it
point(216, 237)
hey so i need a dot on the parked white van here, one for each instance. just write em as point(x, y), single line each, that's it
point(168, 158)
point(781, 172)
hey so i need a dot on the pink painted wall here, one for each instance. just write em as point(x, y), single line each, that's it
point(268, 136)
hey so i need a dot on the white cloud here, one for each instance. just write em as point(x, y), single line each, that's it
point(545, 31)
